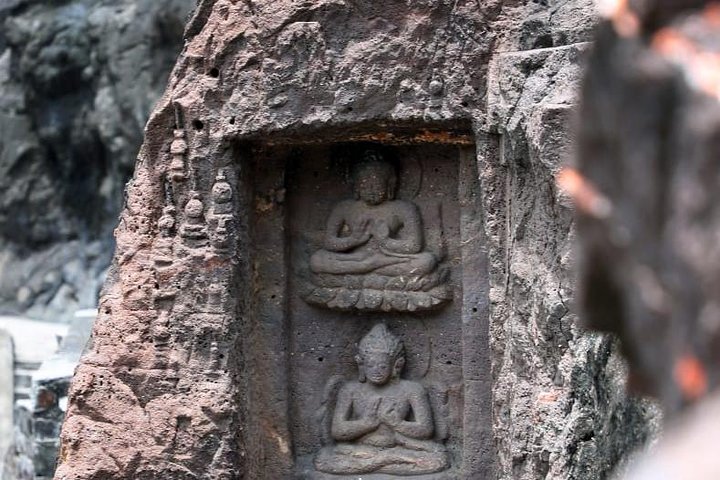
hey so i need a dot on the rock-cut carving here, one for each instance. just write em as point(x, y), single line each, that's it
point(164, 252)
point(381, 423)
point(178, 148)
point(220, 217)
point(163, 243)
point(193, 230)
point(374, 255)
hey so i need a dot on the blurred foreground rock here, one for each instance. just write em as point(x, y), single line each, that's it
point(649, 215)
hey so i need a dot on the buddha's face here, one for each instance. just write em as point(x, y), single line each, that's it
point(372, 183)
point(380, 367)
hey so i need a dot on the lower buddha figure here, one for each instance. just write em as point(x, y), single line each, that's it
point(382, 423)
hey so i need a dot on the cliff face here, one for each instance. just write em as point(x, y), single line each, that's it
point(187, 377)
point(560, 406)
point(78, 80)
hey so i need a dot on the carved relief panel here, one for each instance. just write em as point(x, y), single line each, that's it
point(371, 277)
point(374, 255)
point(381, 423)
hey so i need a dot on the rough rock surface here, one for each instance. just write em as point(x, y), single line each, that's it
point(78, 80)
point(559, 395)
point(166, 391)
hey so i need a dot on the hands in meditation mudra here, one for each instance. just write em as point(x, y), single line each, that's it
point(373, 255)
point(382, 423)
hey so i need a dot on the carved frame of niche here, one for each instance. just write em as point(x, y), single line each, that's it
point(268, 304)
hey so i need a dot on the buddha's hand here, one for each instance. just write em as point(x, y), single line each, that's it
point(395, 224)
point(389, 414)
point(361, 232)
point(373, 418)
point(382, 229)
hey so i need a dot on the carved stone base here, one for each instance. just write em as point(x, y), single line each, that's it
point(378, 292)
point(307, 471)
point(340, 298)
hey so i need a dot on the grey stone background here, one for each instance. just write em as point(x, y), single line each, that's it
point(77, 82)
point(78, 79)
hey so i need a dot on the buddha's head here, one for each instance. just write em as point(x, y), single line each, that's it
point(374, 179)
point(381, 356)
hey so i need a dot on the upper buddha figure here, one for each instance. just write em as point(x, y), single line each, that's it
point(378, 240)
point(374, 232)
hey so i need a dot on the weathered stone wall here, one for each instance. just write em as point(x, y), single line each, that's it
point(172, 388)
point(559, 395)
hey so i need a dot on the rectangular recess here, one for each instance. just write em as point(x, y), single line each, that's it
point(293, 348)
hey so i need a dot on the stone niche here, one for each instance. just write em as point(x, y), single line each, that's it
point(369, 346)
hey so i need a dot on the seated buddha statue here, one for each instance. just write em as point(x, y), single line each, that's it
point(382, 423)
point(374, 232)
point(375, 241)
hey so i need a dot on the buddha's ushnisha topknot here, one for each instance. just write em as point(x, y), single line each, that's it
point(381, 339)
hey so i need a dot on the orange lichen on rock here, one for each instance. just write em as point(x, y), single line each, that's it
point(711, 14)
point(672, 43)
point(691, 377)
point(624, 20)
point(585, 196)
point(700, 66)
